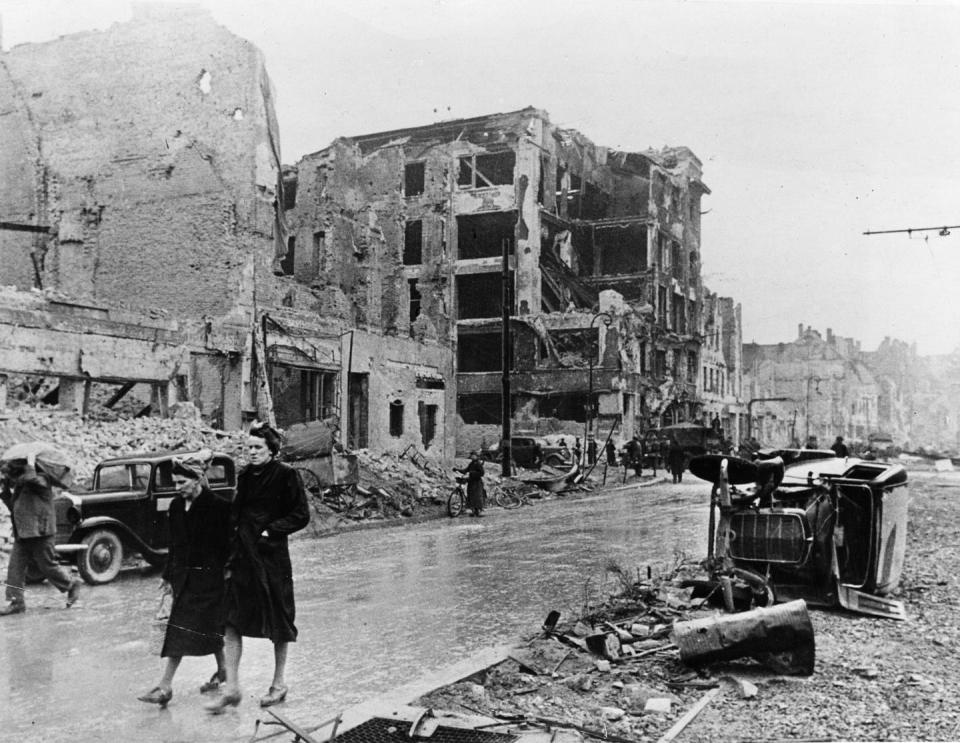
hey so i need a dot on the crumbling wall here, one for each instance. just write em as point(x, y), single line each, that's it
point(157, 147)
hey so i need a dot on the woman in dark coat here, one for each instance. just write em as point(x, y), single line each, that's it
point(474, 473)
point(199, 544)
point(270, 505)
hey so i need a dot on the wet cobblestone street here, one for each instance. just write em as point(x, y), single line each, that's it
point(376, 608)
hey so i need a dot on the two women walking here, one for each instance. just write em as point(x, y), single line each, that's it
point(229, 570)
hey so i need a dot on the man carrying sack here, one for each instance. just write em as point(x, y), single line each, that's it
point(27, 493)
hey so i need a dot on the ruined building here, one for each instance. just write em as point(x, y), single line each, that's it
point(150, 235)
point(721, 370)
point(407, 230)
point(829, 391)
point(142, 241)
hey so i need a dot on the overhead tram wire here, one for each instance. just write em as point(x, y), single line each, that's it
point(943, 231)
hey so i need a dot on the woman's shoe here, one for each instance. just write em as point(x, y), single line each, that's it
point(157, 695)
point(214, 683)
point(275, 695)
point(217, 706)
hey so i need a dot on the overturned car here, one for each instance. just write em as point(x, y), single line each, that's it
point(831, 531)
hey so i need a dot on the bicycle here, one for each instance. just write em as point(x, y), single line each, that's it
point(505, 496)
point(457, 500)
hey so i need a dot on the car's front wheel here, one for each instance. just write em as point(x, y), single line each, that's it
point(101, 561)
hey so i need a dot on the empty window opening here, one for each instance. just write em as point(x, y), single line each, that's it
point(644, 366)
point(622, 249)
point(679, 314)
point(414, 300)
point(358, 411)
point(479, 352)
point(577, 347)
point(428, 422)
point(660, 364)
point(289, 193)
point(585, 200)
point(480, 295)
point(568, 407)
point(430, 383)
point(482, 235)
point(413, 178)
point(662, 305)
point(691, 366)
point(676, 259)
point(483, 171)
point(413, 243)
point(663, 251)
point(287, 264)
point(480, 408)
point(301, 395)
point(396, 418)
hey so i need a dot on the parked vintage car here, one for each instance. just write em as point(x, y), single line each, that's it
point(831, 531)
point(531, 452)
point(125, 512)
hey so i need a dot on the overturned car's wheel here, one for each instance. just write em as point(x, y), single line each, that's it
point(101, 561)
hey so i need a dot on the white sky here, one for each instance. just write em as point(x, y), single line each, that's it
point(815, 121)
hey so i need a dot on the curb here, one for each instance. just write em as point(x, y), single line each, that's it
point(441, 512)
point(396, 703)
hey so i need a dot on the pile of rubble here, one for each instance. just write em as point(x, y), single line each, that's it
point(388, 486)
point(87, 442)
point(612, 674)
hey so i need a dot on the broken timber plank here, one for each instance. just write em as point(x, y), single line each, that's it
point(299, 732)
point(689, 716)
point(115, 397)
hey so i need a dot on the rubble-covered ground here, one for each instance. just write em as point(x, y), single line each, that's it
point(875, 679)
point(389, 487)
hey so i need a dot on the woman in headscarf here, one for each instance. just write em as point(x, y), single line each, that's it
point(474, 473)
point(198, 547)
point(270, 505)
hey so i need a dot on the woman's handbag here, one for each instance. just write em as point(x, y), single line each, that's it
point(158, 625)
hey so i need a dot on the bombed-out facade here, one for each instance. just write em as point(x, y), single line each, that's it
point(151, 237)
point(142, 244)
point(418, 230)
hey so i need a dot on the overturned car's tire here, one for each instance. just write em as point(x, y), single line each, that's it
point(103, 558)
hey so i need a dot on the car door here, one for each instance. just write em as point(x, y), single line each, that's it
point(119, 496)
point(162, 494)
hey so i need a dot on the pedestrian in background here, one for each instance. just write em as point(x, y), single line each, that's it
point(676, 460)
point(592, 451)
point(839, 448)
point(199, 542)
point(270, 505)
point(611, 450)
point(28, 494)
point(474, 473)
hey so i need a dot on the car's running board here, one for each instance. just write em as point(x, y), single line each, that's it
point(68, 548)
point(866, 603)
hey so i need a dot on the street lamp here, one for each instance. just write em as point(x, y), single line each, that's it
point(607, 320)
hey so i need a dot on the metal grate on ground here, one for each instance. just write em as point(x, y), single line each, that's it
point(383, 730)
